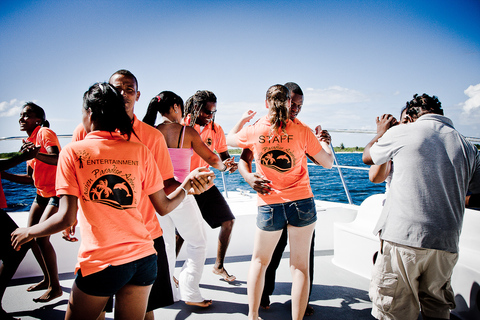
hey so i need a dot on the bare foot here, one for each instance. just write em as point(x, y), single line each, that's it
point(222, 272)
point(42, 285)
point(203, 304)
point(49, 295)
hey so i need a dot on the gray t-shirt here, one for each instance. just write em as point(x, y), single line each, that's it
point(434, 168)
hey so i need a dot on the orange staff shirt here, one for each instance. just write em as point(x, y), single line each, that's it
point(281, 159)
point(109, 174)
point(154, 140)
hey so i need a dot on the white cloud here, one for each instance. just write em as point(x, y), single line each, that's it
point(10, 108)
point(333, 95)
point(473, 102)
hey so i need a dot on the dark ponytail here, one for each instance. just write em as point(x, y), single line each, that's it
point(108, 108)
point(162, 103)
point(277, 97)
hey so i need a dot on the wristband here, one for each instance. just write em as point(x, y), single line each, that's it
point(186, 192)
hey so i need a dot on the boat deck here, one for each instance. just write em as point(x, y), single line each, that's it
point(336, 294)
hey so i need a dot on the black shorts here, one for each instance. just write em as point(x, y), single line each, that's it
point(7, 226)
point(214, 208)
point(161, 294)
point(141, 272)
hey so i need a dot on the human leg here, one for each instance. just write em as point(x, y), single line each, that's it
point(264, 244)
point(34, 216)
point(161, 294)
point(435, 291)
point(272, 268)
point(300, 240)
point(309, 310)
point(189, 223)
point(216, 212)
point(168, 227)
point(50, 258)
point(83, 306)
point(394, 285)
point(132, 302)
point(223, 242)
point(11, 259)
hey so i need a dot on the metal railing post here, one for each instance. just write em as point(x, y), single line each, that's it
point(341, 176)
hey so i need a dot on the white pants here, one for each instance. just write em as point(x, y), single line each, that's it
point(188, 221)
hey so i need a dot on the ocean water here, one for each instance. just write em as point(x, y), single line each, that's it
point(326, 183)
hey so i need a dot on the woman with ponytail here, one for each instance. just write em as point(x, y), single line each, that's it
point(41, 172)
point(280, 147)
point(187, 219)
point(106, 176)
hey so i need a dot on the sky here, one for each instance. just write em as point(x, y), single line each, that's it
point(355, 60)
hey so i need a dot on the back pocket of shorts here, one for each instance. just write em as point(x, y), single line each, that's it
point(265, 217)
point(306, 209)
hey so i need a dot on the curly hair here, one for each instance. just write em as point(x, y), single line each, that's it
point(420, 105)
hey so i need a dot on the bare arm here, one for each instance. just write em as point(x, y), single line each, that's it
point(19, 178)
point(195, 183)
point(325, 156)
point(246, 117)
point(384, 123)
point(378, 173)
point(203, 151)
point(64, 218)
point(255, 180)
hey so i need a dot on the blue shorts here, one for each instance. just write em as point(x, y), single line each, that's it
point(141, 272)
point(274, 217)
point(42, 201)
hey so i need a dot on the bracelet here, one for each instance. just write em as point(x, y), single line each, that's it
point(186, 192)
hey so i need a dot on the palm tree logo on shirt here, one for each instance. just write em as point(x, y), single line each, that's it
point(113, 191)
point(277, 160)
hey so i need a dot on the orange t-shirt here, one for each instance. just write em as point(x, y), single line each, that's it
point(43, 174)
point(154, 140)
point(108, 174)
point(281, 159)
point(215, 141)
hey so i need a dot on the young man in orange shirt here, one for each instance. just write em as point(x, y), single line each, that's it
point(200, 112)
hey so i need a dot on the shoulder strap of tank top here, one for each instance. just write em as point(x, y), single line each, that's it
point(181, 137)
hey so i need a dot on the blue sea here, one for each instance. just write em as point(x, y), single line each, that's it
point(326, 183)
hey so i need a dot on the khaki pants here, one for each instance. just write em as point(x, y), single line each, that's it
point(407, 280)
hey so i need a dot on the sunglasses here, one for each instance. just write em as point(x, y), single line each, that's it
point(208, 112)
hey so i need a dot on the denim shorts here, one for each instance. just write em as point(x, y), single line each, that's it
point(273, 217)
point(141, 272)
point(42, 201)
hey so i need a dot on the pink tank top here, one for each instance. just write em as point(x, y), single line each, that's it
point(181, 158)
